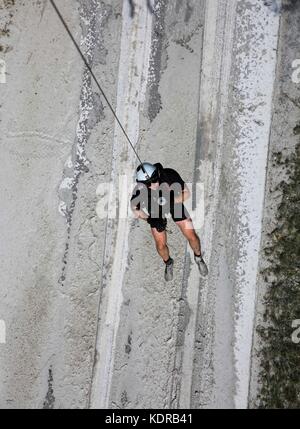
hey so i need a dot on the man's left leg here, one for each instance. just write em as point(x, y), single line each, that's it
point(187, 229)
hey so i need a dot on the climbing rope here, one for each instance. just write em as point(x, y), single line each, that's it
point(95, 79)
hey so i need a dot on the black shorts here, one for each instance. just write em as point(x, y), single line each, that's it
point(178, 214)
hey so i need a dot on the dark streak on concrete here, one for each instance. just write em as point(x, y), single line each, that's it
point(128, 345)
point(124, 399)
point(157, 48)
point(278, 7)
point(50, 398)
point(132, 7)
point(185, 40)
point(97, 15)
point(188, 12)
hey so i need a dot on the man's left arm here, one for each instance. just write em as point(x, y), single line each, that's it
point(185, 195)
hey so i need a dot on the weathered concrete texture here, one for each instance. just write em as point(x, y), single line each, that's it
point(90, 320)
point(235, 114)
point(132, 79)
point(154, 314)
point(83, 257)
point(50, 264)
point(38, 122)
point(283, 141)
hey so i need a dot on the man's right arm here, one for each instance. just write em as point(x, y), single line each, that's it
point(136, 206)
point(139, 214)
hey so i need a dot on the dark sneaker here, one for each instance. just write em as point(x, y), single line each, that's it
point(169, 270)
point(201, 265)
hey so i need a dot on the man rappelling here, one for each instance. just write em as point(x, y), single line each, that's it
point(161, 192)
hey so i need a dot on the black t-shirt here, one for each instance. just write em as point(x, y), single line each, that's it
point(157, 203)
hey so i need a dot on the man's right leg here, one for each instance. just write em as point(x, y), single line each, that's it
point(160, 239)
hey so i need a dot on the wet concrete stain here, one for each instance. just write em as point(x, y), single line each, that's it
point(128, 345)
point(148, 3)
point(159, 56)
point(158, 46)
